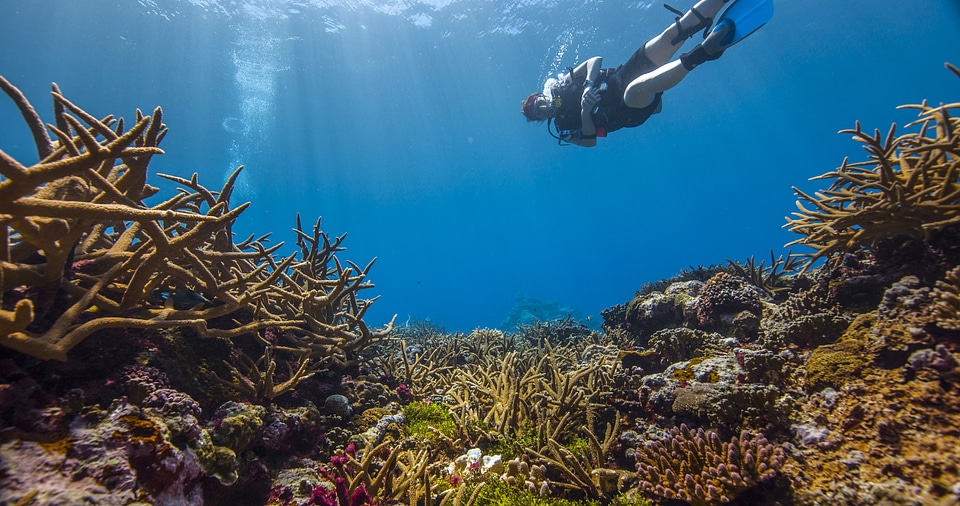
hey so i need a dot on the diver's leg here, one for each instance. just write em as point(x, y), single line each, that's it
point(661, 48)
point(643, 90)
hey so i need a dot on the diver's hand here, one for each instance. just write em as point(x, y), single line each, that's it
point(589, 99)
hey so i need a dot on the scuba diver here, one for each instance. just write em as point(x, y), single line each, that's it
point(589, 101)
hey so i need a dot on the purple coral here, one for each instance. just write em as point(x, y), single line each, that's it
point(169, 402)
point(939, 360)
point(339, 495)
point(140, 380)
point(697, 467)
point(178, 410)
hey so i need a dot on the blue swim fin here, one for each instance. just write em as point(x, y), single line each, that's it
point(743, 17)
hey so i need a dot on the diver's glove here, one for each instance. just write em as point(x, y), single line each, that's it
point(589, 99)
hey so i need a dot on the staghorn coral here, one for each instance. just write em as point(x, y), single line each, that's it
point(401, 474)
point(910, 186)
point(776, 279)
point(585, 470)
point(519, 397)
point(258, 379)
point(509, 394)
point(697, 467)
point(76, 231)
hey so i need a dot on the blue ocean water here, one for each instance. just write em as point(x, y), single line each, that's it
point(398, 122)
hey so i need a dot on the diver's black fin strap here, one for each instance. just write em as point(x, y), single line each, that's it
point(682, 35)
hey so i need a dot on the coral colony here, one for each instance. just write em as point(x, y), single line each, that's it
point(147, 357)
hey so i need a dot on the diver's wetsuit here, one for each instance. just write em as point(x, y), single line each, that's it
point(612, 114)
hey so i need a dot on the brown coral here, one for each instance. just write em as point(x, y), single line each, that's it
point(947, 293)
point(697, 467)
point(806, 318)
point(910, 186)
point(833, 365)
point(724, 295)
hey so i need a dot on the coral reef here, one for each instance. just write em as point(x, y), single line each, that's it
point(776, 279)
point(948, 304)
point(240, 377)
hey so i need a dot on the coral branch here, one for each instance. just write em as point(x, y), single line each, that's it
point(910, 187)
point(76, 222)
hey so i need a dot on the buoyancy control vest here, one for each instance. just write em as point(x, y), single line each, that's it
point(611, 113)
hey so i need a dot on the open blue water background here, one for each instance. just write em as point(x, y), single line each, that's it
point(398, 122)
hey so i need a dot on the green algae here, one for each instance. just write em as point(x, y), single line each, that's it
point(500, 493)
point(422, 416)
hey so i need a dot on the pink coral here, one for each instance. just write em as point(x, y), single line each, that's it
point(697, 467)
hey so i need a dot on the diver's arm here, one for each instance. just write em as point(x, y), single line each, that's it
point(576, 137)
point(589, 69)
point(587, 103)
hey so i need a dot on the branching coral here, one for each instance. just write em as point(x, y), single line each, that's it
point(402, 474)
point(909, 186)
point(258, 379)
point(775, 279)
point(697, 467)
point(584, 471)
point(76, 231)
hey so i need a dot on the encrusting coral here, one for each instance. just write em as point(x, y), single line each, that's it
point(910, 186)
point(76, 231)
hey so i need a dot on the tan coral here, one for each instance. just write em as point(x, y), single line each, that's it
point(909, 186)
point(883, 432)
point(947, 293)
point(76, 222)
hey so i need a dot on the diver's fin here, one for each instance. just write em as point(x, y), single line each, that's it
point(744, 17)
